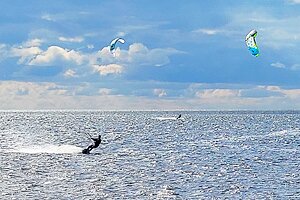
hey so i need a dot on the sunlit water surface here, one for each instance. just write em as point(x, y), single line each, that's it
point(150, 155)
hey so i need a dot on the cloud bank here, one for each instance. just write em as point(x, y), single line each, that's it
point(102, 62)
point(28, 95)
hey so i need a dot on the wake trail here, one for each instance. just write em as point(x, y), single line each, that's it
point(167, 118)
point(47, 148)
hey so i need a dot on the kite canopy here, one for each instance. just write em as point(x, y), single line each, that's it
point(251, 43)
point(114, 43)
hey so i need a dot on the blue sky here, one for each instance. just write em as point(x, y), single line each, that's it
point(178, 55)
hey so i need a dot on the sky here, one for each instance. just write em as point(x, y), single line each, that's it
point(178, 55)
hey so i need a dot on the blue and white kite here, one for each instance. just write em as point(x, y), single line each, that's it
point(251, 43)
point(113, 44)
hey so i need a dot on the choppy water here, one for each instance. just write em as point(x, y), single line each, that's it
point(150, 155)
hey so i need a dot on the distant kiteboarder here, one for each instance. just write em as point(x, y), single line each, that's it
point(97, 142)
point(178, 116)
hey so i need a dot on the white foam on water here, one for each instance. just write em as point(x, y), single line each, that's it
point(167, 192)
point(283, 133)
point(168, 118)
point(48, 148)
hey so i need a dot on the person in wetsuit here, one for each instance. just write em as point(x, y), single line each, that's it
point(97, 142)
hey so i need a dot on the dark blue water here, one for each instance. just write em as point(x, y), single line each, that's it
point(150, 155)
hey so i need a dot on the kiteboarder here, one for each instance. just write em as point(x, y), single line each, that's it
point(178, 116)
point(97, 142)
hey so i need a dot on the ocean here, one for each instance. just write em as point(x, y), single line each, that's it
point(150, 155)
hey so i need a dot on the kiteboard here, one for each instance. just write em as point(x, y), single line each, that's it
point(85, 151)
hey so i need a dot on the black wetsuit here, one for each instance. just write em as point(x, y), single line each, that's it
point(96, 144)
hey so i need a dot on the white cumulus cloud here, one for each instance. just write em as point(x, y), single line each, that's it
point(139, 54)
point(71, 39)
point(159, 92)
point(105, 91)
point(70, 73)
point(108, 69)
point(90, 46)
point(207, 31)
point(48, 17)
point(25, 54)
point(36, 42)
point(278, 65)
point(4, 52)
point(217, 93)
point(56, 54)
point(294, 1)
point(102, 62)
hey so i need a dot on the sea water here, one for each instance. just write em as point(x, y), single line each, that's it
point(150, 155)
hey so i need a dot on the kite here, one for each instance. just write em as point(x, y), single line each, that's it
point(113, 44)
point(251, 43)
